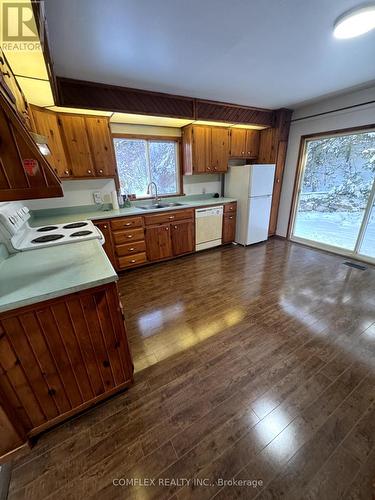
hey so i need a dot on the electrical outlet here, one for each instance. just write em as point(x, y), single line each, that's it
point(98, 200)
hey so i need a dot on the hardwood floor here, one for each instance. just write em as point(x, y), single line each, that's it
point(253, 365)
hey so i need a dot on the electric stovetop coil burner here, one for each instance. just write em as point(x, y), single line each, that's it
point(46, 228)
point(80, 233)
point(47, 237)
point(19, 236)
point(75, 225)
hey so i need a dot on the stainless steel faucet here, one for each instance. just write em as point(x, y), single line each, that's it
point(156, 197)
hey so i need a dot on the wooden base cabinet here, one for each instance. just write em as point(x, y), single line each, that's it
point(182, 237)
point(62, 356)
point(158, 242)
point(229, 223)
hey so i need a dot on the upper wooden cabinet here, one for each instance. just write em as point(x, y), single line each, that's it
point(205, 149)
point(244, 143)
point(81, 146)
point(46, 123)
point(101, 145)
point(24, 171)
point(77, 144)
point(267, 146)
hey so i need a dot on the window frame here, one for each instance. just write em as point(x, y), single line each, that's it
point(162, 138)
point(301, 160)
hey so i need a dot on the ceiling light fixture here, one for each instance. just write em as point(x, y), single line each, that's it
point(355, 22)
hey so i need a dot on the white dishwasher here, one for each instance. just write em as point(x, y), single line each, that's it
point(208, 227)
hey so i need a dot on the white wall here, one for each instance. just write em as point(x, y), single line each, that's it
point(303, 123)
point(76, 193)
point(201, 184)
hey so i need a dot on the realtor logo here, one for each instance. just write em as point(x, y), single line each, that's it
point(18, 27)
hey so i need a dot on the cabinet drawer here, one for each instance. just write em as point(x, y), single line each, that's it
point(169, 216)
point(130, 248)
point(120, 237)
point(126, 222)
point(131, 260)
point(230, 207)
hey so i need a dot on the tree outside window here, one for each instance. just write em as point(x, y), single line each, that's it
point(141, 161)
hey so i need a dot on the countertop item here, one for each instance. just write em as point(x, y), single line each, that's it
point(71, 214)
point(30, 277)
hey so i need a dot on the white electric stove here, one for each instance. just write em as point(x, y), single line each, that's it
point(19, 236)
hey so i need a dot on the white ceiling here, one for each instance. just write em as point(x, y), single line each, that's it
point(268, 53)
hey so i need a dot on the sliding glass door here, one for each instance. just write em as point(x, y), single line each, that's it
point(334, 207)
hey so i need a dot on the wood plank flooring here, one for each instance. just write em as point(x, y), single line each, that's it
point(253, 365)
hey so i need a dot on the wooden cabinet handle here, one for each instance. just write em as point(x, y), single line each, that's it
point(100, 171)
point(89, 171)
point(242, 152)
point(249, 152)
point(230, 217)
point(167, 228)
point(130, 236)
point(105, 227)
point(132, 261)
point(208, 168)
point(175, 227)
point(131, 249)
point(66, 172)
point(128, 223)
point(171, 217)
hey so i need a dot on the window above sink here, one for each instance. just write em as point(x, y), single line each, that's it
point(144, 160)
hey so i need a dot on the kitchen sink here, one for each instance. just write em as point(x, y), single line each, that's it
point(160, 205)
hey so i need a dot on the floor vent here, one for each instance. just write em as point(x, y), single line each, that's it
point(355, 265)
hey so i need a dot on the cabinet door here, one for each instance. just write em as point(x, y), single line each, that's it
point(229, 228)
point(267, 152)
point(77, 143)
point(219, 149)
point(158, 242)
point(252, 143)
point(237, 142)
point(182, 236)
point(201, 149)
point(101, 145)
point(46, 123)
point(104, 227)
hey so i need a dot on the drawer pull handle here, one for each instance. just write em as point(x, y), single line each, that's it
point(132, 261)
point(167, 228)
point(131, 249)
point(89, 171)
point(171, 217)
point(175, 227)
point(105, 227)
point(128, 224)
point(130, 236)
point(230, 217)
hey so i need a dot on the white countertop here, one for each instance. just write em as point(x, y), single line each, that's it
point(37, 275)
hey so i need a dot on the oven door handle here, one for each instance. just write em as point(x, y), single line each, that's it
point(101, 239)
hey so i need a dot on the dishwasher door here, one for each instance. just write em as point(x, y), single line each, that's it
point(208, 227)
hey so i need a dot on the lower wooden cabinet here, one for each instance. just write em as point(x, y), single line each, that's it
point(158, 242)
point(105, 228)
point(229, 228)
point(61, 356)
point(182, 237)
point(135, 240)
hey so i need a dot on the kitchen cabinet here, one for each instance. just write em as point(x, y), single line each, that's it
point(77, 145)
point(101, 145)
point(104, 227)
point(205, 149)
point(267, 146)
point(182, 237)
point(10, 88)
point(24, 171)
point(11, 441)
point(81, 146)
point(219, 150)
point(158, 242)
point(244, 143)
point(229, 222)
point(61, 356)
point(229, 228)
point(46, 123)
point(128, 242)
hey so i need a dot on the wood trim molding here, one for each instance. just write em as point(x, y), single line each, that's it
point(92, 95)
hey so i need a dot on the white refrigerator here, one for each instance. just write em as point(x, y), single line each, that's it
point(252, 186)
